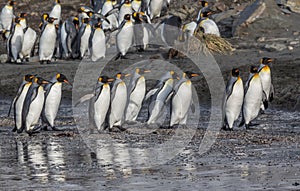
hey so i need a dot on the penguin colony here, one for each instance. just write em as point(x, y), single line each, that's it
point(85, 35)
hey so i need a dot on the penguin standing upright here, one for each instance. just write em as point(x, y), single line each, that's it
point(124, 10)
point(47, 42)
point(170, 29)
point(112, 17)
point(253, 97)
point(182, 99)
point(118, 102)
point(33, 105)
point(56, 12)
point(233, 99)
point(44, 21)
point(160, 96)
point(155, 7)
point(101, 101)
point(125, 36)
point(18, 101)
point(7, 15)
point(30, 38)
point(136, 94)
point(15, 41)
point(98, 46)
point(68, 36)
point(84, 37)
point(205, 8)
point(52, 99)
point(141, 32)
point(208, 25)
point(265, 75)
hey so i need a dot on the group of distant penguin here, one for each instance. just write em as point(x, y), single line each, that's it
point(37, 97)
point(86, 34)
point(113, 104)
point(251, 100)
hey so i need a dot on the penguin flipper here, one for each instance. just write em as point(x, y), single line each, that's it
point(84, 98)
point(151, 93)
point(271, 95)
point(11, 105)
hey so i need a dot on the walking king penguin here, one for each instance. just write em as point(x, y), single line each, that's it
point(68, 36)
point(136, 94)
point(233, 99)
point(52, 99)
point(33, 105)
point(56, 12)
point(15, 41)
point(18, 101)
point(160, 96)
point(84, 37)
point(98, 43)
point(47, 41)
point(118, 102)
point(125, 36)
point(182, 99)
point(253, 97)
point(7, 15)
point(264, 72)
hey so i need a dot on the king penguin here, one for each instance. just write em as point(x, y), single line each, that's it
point(253, 97)
point(118, 102)
point(84, 34)
point(47, 42)
point(125, 36)
point(182, 99)
point(112, 17)
point(68, 36)
point(141, 30)
point(265, 75)
point(44, 21)
point(56, 12)
point(98, 43)
point(155, 7)
point(7, 15)
point(18, 101)
point(15, 41)
point(233, 99)
point(52, 99)
point(33, 105)
point(124, 10)
point(208, 25)
point(30, 38)
point(204, 8)
point(136, 94)
point(101, 102)
point(159, 96)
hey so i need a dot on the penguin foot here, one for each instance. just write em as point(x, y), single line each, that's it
point(14, 129)
point(123, 57)
point(42, 62)
point(253, 124)
point(48, 61)
point(45, 128)
point(55, 129)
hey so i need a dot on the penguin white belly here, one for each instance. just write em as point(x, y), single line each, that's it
point(107, 6)
point(98, 45)
point(155, 8)
point(19, 106)
point(6, 17)
point(253, 99)
point(265, 76)
point(118, 105)
point(52, 103)
point(35, 110)
point(28, 43)
point(113, 19)
point(16, 42)
point(56, 13)
point(84, 41)
point(101, 106)
point(63, 36)
point(124, 39)
point(210, 27)
point(135, 100)
point(136, 6)
point(47, 43)
point(125, 9)
point(190, 28)
point(181, 103)
point(234, 103)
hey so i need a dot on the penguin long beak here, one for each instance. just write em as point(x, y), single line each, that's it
point(127, 75)
point(110, 80)
point(147, 71)
point(67, 82)
point(195, 75)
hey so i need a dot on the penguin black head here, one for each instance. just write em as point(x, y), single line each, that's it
point(23, 15)
point(142, 71)
point(28, 77)
point(62, 78)
point(139, 16)
point(57, 1)
point(98, 25)
point(190, 74)
point(127, 17)
point(40, 80)
point(17, 20)
point(105, 79)
point(75, 21)
point(127, 2)
point(253, 69)
point(51, 19)
point(11, 3)
point(45, 17)
point(235, 72)
point(86, 20)
point(266, 60)
point(204, 3)
point(205, 14)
